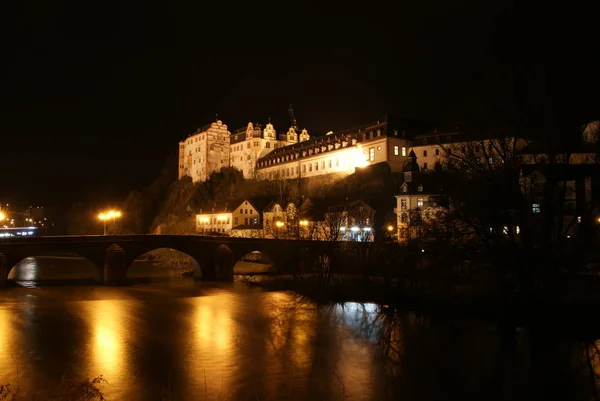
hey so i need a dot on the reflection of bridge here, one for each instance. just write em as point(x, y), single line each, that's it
point(112, 255)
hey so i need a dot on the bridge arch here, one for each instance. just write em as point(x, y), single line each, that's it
point(26, 266)
point(170, 258)
point(254, 262)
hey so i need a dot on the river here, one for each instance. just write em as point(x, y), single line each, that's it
point(167, 338)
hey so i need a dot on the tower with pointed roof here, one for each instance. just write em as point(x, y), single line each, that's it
point(411, 167)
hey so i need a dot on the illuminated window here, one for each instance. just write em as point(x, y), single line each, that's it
point(402, 204)
point(535, 208)
point(403, 150)
point(396, 150)
point(371, 154)
point(420, 202)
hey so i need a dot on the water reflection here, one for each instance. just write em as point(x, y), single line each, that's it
point(7, 331)
point(109, 321)
point(212, 356)
point(229, 342)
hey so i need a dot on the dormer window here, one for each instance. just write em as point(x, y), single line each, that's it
point(420, 188)
point(404, 187)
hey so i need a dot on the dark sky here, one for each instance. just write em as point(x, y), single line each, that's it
point(95, 95)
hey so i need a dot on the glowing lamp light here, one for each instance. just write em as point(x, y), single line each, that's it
point(342, 228)
point(2, 216)
point(354, 229)
point(367, 229)
point(303, 222)
point(390, 228)
point(279, 224)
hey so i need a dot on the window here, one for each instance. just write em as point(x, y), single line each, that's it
point(491, 160)
point(420, 188)
point(317, 166)
point(371, 154)
point(329, 163)
point(337, 162)
point(437, 152)
point(425, 166)
point(248, 145)
point(535, 208)
point(323, 165)
point(396, 150)
point(245, 220)
point(255, 143)
point(404, 218)
point(402, 204)
point(420, 202)
point(424, 153)
point(304, 168)
point(403, 150)
point(268, 145)
point(310, 167)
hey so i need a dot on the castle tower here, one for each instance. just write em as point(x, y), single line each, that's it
point(293, 122)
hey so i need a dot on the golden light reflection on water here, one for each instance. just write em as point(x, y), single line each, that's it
point(107, 344)
point(290, 350)
point(212, 358)
point(7, 364)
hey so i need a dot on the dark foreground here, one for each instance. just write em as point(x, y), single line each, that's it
point(167, 338)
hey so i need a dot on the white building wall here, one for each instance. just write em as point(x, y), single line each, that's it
point(204, 152)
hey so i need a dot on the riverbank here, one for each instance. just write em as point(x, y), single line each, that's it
point(576, 302)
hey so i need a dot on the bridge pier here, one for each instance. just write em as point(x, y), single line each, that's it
point(4, 270)
point(115, 266)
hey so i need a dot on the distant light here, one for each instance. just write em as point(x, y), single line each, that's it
point(367, 229)
point(355, 229)
point(342, 228)
point(390, 228)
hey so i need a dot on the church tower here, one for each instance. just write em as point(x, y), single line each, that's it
point(411, 167)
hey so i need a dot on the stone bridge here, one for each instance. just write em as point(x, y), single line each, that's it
point(216, 256)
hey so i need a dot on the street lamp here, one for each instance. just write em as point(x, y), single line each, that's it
point(390, 228)
point(301, 223)
point(111, 214)
point(2, 216)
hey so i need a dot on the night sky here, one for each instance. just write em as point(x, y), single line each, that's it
point(94, 98)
